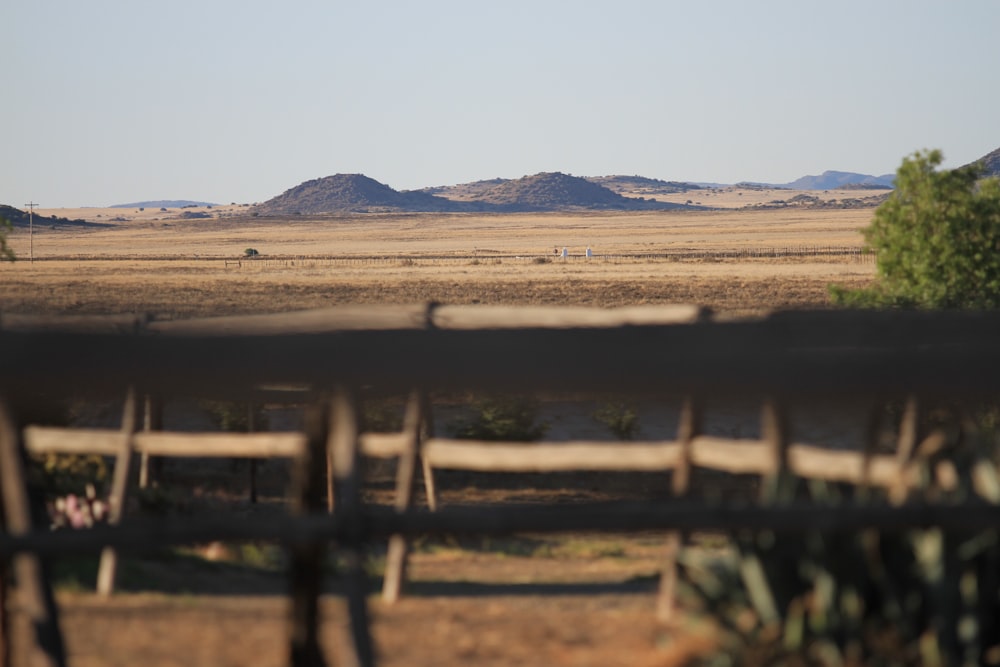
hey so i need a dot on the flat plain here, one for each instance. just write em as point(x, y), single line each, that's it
point(175, 267)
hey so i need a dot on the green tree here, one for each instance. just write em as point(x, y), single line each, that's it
point(5, 251)
point(937, 239)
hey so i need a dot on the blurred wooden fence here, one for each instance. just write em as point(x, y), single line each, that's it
point(786, 360)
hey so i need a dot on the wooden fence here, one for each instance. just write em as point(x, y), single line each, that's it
point(786, 360)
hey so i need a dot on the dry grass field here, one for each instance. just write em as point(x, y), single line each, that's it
point(178, 268)
point(575, 600)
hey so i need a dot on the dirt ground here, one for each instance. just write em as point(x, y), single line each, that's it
point(572, 600)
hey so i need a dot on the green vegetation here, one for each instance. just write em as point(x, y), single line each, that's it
point(937, 238)
point(251, 252)
point(622, 419)
point(501, 418)
point(896, 597)
point(5, 251)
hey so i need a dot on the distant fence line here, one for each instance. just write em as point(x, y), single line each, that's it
point(852, 253)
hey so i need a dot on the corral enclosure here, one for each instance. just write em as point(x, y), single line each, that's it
point(576, 599)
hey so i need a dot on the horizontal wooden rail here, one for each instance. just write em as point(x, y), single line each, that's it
point(143, 535)
point(44, 439)
point(472, 348)
point(734, 456)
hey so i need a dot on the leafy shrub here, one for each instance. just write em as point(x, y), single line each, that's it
point(251, 252)
point(501, 418)
point(938, 240)
point(5, 251)
point(233, 416)
point(621, 419)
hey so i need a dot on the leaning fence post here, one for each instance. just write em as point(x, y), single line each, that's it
point(152, 421)
point(909, 428)
point(395, 563)
point(688, 428)
point(34, 588)
point(251, 427)
point(345, 448)
point(776, 482)
point(108, 568)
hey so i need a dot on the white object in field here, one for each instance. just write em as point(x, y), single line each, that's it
point(565, 252)
point(590, 253)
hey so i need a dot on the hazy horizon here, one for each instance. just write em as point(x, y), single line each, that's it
point(112, 102)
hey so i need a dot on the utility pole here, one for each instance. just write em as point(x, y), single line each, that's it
point(31, 231)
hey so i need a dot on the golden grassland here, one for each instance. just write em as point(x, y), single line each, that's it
point(175, 267)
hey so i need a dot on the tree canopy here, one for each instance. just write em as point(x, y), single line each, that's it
point(937, 239)
point(5, 251)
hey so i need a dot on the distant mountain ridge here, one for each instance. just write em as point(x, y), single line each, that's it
point(164, 203)
point(833, 180)
point(357, 193)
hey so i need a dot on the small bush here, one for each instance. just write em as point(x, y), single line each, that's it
point(501, 418)
point(251, 252)
point(621, 419)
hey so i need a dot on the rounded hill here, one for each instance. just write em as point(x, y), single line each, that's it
point(348, 193)
point(556, 190)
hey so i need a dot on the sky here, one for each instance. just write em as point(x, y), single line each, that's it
point(116, 101)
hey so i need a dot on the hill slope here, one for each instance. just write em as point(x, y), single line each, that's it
point(991, 161)
point(552, 191)
point(355, 193)
point(19, 218)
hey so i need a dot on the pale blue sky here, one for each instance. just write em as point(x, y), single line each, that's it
point(113, 101)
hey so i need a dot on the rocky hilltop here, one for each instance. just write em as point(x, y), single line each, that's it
point(19, 218)
point(348, 193)
point(991, 161)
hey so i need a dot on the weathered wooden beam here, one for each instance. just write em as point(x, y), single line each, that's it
point(45, 439)
point(689, 426)
point(107, 570)
point(34, 587)
point(344, 448)
point(140, 535)
point(406, 470)
point(809, 354)
point(306, 557)
point(549, 457)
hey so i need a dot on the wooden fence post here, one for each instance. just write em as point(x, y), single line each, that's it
point(4, 583)
point(345, 451)
point(909, 427)
point(152, 421)
point(777, 483)
point(688, 428)
point(427, 431)
point(306, 561)
point(395, 563)
point(108, 568)
point(251, 427)
point(34, 588)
